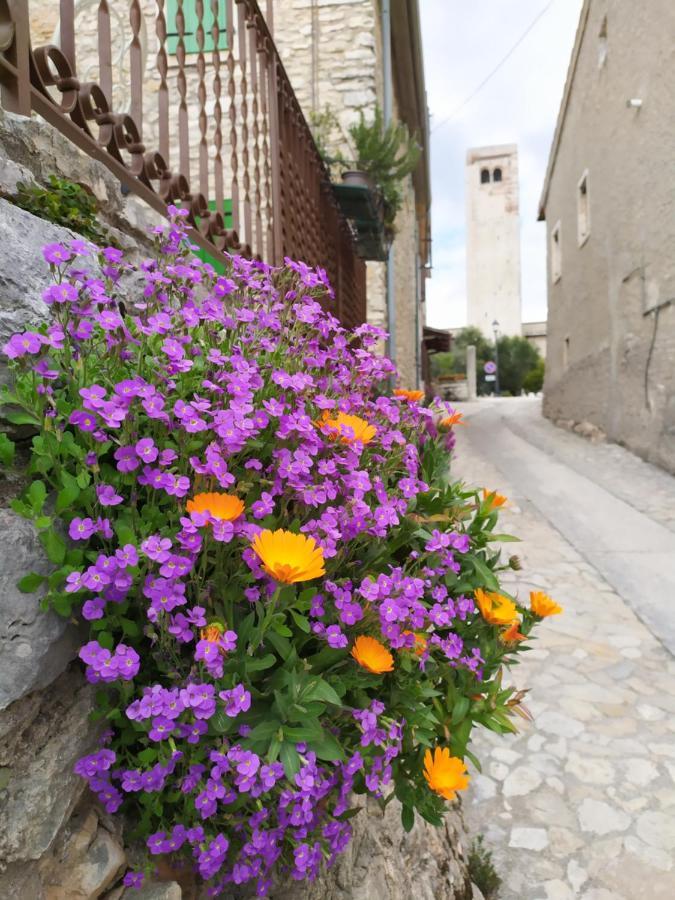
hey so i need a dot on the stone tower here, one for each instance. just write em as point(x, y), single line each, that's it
point(493, 239)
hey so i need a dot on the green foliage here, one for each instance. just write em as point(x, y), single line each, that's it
point(517, 357)
point(533, 381)
point(482, 870)
point(388, 154)
point(64, 203)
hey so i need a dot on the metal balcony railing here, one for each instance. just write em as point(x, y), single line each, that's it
point(187, 103)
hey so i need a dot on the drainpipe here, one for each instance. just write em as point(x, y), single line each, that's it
point(387, 113)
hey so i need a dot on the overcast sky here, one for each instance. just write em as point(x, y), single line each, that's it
point(463, 42)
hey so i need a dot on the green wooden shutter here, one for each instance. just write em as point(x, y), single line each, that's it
point(190, 36)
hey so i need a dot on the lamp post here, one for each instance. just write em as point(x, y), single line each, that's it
point(495, 329)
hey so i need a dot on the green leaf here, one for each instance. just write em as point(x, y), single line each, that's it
point(264, 731)
point(301, 621)
point(504, 538)
point(43, 522)
point(105, 639)
point(69, 494)
point(327, 748)
point(257, 663)
point(486, 574)
point(21, 418)
point(62, 604)
point(310, 731)
point(37, 494)
point(130, 628)
point(321, 690)
point(290, 759)
point(407, 818)
point(7, 449)
point(30, 583)
point(460, 710)
point(54, 545)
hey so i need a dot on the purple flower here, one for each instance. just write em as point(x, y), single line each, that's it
point(55, 254)
point(126, 458)
point(22, 344)
point(236, 700)
point(133, 880)
point(81, 529)
point(107, 496)
point(85, 421)
point(59, 293)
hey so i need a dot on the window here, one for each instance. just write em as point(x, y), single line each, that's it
point(484, 176)
point(191, 23)
point(566, 353)
point(497, 175)
point(602, 44)
point(556, 254)
point(583, 210)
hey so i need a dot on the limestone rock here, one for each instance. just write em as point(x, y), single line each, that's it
point(384, 863)
point(24, 274)
point(167, 890)
point(35, 646)
point(41, 737)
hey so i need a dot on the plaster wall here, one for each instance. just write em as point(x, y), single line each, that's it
point(493, 240)
point(611, 332)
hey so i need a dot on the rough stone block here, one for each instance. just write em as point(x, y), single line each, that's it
point(35, 646)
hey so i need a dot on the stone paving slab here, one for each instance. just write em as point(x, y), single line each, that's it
point(581, 803)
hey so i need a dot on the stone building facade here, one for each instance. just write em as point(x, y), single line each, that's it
point(608, 205)
point(493, 240)
point(333, 53)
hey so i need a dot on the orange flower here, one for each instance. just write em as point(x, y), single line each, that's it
point(224, 507)
point(420, 644)
point(511, 635)
point(211, 633)
point(495, 608)
point(542, 605)
point(372, 655)
point(454, 419)
point(289, 557)
point(350, 428)
point(408, 395)
point(492, 499)
point(445, 774)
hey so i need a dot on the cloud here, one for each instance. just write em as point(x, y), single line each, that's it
point(462, 44)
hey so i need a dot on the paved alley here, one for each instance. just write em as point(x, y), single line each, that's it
point(581, 803)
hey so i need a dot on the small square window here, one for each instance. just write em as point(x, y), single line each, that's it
point(583, 210)
point(556, 254)
point(191, 22)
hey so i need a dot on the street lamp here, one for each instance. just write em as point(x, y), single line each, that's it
point(495, 329)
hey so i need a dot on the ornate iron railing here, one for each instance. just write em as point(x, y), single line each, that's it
point(202, 82)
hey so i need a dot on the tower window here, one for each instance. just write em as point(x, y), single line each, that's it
point(556, 254)
point(602, 44)
point(484, 176)
point(583, 210)
point(497, 175)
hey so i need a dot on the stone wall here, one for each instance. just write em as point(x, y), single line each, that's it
point(55, 842)
point(610, 354)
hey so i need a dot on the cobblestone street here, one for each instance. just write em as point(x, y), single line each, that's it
point(581, 803)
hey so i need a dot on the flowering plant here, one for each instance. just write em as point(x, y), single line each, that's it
point(288, 600)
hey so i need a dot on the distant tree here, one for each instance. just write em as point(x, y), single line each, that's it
point(517, 357)
point(534, 380)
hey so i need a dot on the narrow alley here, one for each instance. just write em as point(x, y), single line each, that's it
point(581, 803)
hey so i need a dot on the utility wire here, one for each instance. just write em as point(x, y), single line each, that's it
point(496, 69)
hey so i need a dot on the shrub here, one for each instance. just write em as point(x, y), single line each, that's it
point(534, 380)
point(288, 600)
point(482, 871)
point(64, 203)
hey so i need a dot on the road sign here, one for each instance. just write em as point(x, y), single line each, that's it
point(490, 377)
point(490, 368)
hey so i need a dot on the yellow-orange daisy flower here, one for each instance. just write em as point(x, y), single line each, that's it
point(420, 644)
point(492, 499)
point(211, 633)
point(542, 605)
point(289, 557)
point(445, 774)
point(372, 655)
point(495, 608)
point(454, 419)
point(408, 395)
point(224, 507)
point(511, 635)
point(350, 428)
